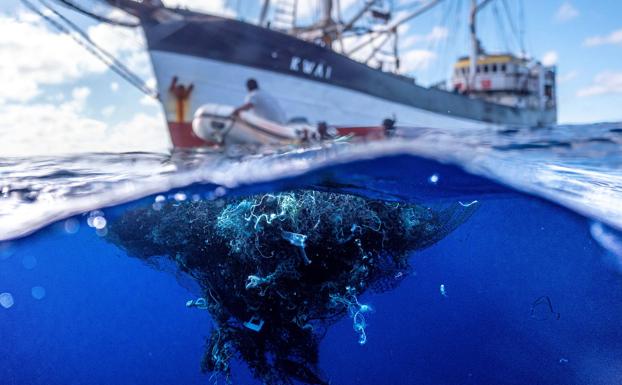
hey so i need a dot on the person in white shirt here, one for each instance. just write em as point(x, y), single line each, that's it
point(261, 103)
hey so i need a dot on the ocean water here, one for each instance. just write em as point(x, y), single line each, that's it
point(437, 257)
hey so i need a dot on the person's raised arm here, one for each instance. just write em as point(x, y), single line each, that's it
point(243, 107)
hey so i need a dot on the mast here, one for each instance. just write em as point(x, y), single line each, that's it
point(474, 44)
point(476, 47)
point(327, 13)
point(327, 23)
point(264, 12)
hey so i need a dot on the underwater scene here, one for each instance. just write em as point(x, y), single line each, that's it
point(377, 263)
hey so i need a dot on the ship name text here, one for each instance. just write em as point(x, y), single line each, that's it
point(310, 67)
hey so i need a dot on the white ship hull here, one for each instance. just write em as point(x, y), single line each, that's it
point(217, 82)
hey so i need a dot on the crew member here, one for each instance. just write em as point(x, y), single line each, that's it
point(261, 103)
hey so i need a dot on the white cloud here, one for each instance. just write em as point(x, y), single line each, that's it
point(108, 111)
point(80, 93)
point(216, 7)
point(148, 101)
point(566, 12)
point(614, 37)
point(42, 56)
point(550, 58)
point(308, 9)
point(46, 128)
point(567, 76)
point(125, 44)
point(437, 33)
point(417, 59)
point(38, 57)
point(142, 132)
point(607, 82)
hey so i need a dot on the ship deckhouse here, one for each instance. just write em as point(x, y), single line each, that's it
point(506, 79)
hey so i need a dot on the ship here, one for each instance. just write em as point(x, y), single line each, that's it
point(201, 58)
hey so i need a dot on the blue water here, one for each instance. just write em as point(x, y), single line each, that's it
point(527, 291)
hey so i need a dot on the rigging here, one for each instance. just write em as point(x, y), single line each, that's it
point(79, 36)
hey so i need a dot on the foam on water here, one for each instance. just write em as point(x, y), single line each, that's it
point(576, 166)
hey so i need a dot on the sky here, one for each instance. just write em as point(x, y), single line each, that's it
point(56, 97)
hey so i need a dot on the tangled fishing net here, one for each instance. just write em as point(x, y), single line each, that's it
point(278, 269)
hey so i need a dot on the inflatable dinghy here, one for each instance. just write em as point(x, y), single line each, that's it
point(214, 124)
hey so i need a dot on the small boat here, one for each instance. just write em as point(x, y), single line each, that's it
point(214, 123)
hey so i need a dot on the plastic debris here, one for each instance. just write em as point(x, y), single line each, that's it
point(252, 258)
point(443, 291)
point(199, 303)
point(255, 324)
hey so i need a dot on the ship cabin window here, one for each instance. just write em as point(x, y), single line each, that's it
point(494, 68)
point(503, 67)
point(485, 68)
point(478, 69)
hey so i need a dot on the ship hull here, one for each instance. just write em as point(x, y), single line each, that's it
point(217, 82)
point(217, 55)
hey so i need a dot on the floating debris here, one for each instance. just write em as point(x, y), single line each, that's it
point(542, 309)
point(278, 269)
point(199, 303)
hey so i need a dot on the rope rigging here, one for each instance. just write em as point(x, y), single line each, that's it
point(103, 19)
point(82, 39)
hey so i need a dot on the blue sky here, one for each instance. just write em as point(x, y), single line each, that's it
point(53, 89)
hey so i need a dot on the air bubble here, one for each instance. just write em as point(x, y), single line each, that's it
point(38, 292)
point(102, 232)
point(220, 191)
point(99, 222)
point(6, 250)
point(434, 178)
point(180, 197)
point(6, 300)
point(29, 262)
point(71, 226)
